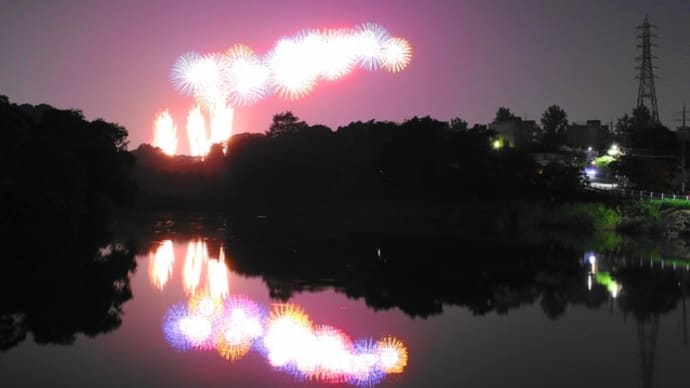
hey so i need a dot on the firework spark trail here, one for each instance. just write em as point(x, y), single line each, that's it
point(165, 133)
point(221, 123)
point(196, 132)
point(292, 69)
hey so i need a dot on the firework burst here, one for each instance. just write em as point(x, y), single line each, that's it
point(391, 354)
point(396, 54)
point(240, 326)
point(364, 371)
point(288, 339)
point(221, 81)
point(172, 330)
point(370, 40)
point(247, 76)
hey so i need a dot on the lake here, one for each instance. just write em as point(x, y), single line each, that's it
point(196, 300)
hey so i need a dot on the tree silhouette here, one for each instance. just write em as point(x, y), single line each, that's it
point(61, 173)
point(458, 124)
point(504, 114)
point(84, 296)
point(285, 122)
point(554, 122)
point(642, 118)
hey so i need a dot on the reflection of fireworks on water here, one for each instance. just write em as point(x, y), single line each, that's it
point(204, 304)
point(218, 283)
point(171, 327)
point(287, 338)
point(332, 353)
point(287, 331)
point(161, 264)
point(185, 328)
point(392, 355)
point(291, 312)
point(238, 329)
point(364, 371)
point(198, 330)
point(197, 255)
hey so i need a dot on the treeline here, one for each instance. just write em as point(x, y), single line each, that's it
point(59, 173)
point(61, 274)
point(419, 159)
point(653, 160)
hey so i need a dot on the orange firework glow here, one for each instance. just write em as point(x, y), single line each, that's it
point(165, 133)
point(392, 355)
point(333, 351)
point(221, 123)
point(161, 264)
point(288, 330)
point(196, 132)
point(217, 274)
point(237, 331)
point(396, 54)
point(197, 254)
point(205, 305)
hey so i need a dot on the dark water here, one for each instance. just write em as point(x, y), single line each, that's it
point(162, 308)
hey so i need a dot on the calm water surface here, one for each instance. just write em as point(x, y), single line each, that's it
point(200, 315)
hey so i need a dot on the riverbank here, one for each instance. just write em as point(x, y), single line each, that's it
point(599, 223)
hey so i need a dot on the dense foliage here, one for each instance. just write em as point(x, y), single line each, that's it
point(59, 171)
point(419, 159)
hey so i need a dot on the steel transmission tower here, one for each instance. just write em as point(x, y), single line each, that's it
point(646, 93)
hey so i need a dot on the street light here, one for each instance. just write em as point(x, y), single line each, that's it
point(614, 150)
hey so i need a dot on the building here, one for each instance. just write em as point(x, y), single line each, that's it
point(517, 132)
point(590, 134)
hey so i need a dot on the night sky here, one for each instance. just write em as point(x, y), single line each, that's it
point(113, 59)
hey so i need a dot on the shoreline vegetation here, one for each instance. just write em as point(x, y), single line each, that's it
point(479, 220)
point(419, 177)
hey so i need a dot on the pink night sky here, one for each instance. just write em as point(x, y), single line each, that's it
point(113, 59)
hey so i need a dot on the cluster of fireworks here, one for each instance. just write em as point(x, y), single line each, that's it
point(238, 77)
point(232, 326)
point(286, 337)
